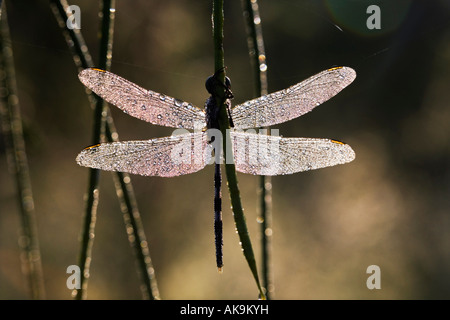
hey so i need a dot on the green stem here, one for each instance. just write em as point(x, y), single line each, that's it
point(88, 231)
point(238, 211)
point(255, 45)
point(258, 61)
point(18, 163)
point(124, 188)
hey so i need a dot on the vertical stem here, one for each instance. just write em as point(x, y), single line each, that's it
point(88, 232)
point(238, 211)
point(255, 45)
point(219, 60)
point(258, 61)
point(18, 163)
point(136, 234)
point(124, 187)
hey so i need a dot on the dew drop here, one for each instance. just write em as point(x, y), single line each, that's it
point(263, 67)
point(178, 102)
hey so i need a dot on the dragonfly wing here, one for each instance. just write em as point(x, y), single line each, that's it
point(292, 102)
point(272, 155)
point(143, 104)
point(165, 157)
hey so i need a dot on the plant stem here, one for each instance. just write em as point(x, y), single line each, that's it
point(124, 188)
point(88, 231)
point(18, 163)
point(258, 61)
point(238, 211)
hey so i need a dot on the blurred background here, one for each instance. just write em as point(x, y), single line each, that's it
point(389, 207)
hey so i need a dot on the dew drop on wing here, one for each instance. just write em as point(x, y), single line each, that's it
point(178, 102)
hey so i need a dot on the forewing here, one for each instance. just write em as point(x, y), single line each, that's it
point(292, 102)
point(143, 104)
point(165, 157)
point(272, 155)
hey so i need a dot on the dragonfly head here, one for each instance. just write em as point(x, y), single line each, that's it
point(212, 81)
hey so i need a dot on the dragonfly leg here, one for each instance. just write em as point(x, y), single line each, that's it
point(230, 119)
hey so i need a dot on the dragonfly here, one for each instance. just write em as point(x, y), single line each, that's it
point(189, 152)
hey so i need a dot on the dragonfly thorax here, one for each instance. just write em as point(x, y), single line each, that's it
point(212, 110)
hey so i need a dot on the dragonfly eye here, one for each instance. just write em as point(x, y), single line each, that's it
point(209, 84)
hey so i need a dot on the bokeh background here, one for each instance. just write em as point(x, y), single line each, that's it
point(389, 207)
